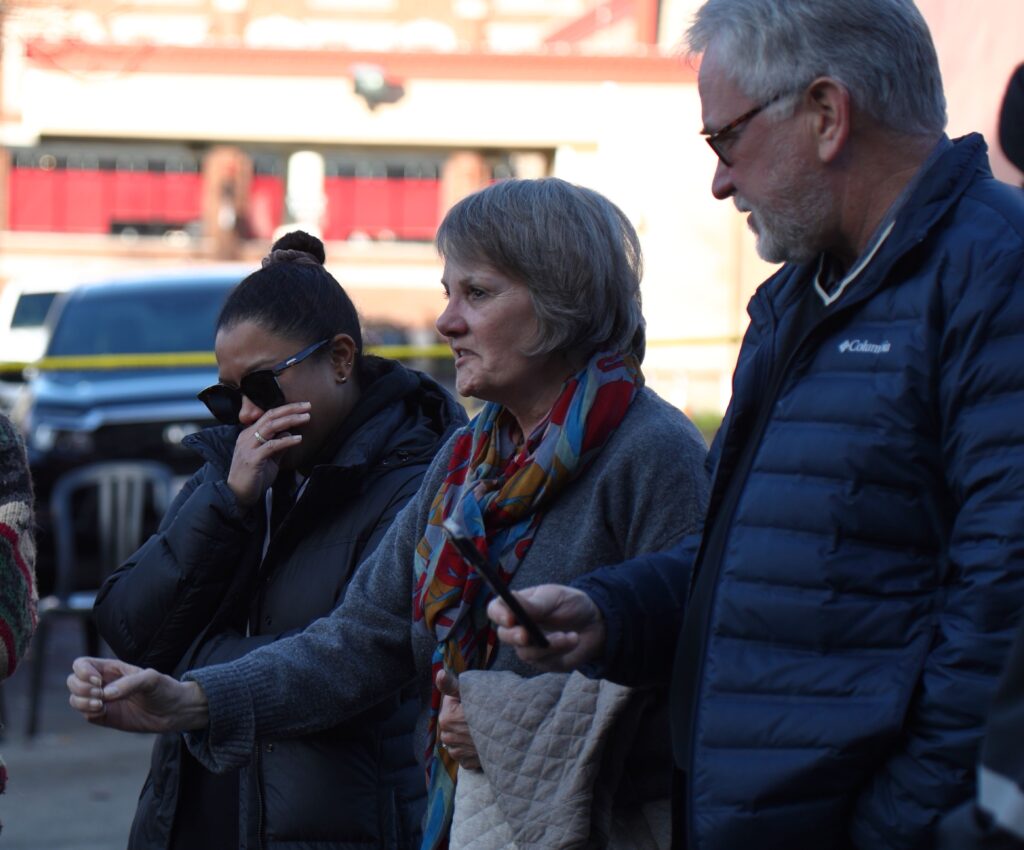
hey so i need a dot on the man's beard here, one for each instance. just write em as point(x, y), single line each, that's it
point(792, 230)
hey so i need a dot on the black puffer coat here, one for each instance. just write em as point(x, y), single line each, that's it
point(199, 593)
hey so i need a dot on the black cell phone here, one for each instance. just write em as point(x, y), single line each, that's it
point(494, 582)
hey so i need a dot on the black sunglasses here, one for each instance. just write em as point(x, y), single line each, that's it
point(260, 387)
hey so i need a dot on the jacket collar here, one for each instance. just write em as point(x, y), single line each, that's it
point(937, 190)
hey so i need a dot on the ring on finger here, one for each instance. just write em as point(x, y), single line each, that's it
point(443, 745)
point(260, 439)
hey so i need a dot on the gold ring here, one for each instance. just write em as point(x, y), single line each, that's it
point(260, 439)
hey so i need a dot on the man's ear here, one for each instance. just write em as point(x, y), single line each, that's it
point(829, 108)
point(343, 357)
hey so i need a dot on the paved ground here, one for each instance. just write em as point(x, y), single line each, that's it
point(73, 787)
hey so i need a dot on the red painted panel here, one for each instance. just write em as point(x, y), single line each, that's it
point(182, 199)
point(373, 199)
point(33, 199)
point(395, 189)
point(382, 208)
point(82, 200)
point(156, 192)
point(266, 205)
point(341, 218)
point(131, 196)
point(86, 200)
point(419, 209)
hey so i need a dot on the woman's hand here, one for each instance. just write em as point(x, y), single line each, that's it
point(570, 620)
point(452, 728)
point(111, 693)
point(254, 464)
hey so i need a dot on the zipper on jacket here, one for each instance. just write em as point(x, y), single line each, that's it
point(713, 556)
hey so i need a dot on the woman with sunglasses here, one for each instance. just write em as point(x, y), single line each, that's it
point(572, 463)
point(320, 448)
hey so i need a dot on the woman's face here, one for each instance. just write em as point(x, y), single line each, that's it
point(248, 346)
point(489, 322)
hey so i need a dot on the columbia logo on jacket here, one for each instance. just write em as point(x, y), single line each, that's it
point(862, 346)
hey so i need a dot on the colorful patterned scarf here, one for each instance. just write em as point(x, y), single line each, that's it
point(495, 495)
point(18, 598)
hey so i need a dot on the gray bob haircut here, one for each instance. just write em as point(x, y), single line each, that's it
point(881, 50)
point(574, 249)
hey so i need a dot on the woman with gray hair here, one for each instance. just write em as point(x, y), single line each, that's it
point(571, 463)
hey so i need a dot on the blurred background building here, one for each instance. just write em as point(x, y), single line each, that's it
point(170, 132)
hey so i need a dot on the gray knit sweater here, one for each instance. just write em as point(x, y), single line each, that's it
point(646, 490)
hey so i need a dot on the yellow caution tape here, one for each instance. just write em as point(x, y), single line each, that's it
point(703, 340)
point(438, 351)
point(126, 361)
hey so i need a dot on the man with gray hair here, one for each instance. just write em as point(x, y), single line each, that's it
point(833, 637)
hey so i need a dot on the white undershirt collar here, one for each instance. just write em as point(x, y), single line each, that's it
point(829, 298)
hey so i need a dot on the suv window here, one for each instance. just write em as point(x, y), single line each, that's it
point(30, 311)
point(154, 319)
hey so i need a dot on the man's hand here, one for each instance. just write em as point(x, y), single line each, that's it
point(112, 693)
point(452, 728)
point(569, 619)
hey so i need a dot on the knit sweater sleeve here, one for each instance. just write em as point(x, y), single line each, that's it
point(338, 666)
point(17, 551)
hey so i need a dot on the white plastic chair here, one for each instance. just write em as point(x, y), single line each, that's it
point(128, 497)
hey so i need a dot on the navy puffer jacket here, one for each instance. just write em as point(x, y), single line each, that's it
point(200, 592)
point(861, 570)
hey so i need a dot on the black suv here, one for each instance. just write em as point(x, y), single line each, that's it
point(120, 375)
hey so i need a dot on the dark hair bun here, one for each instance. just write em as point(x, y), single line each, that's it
point(299, 240)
